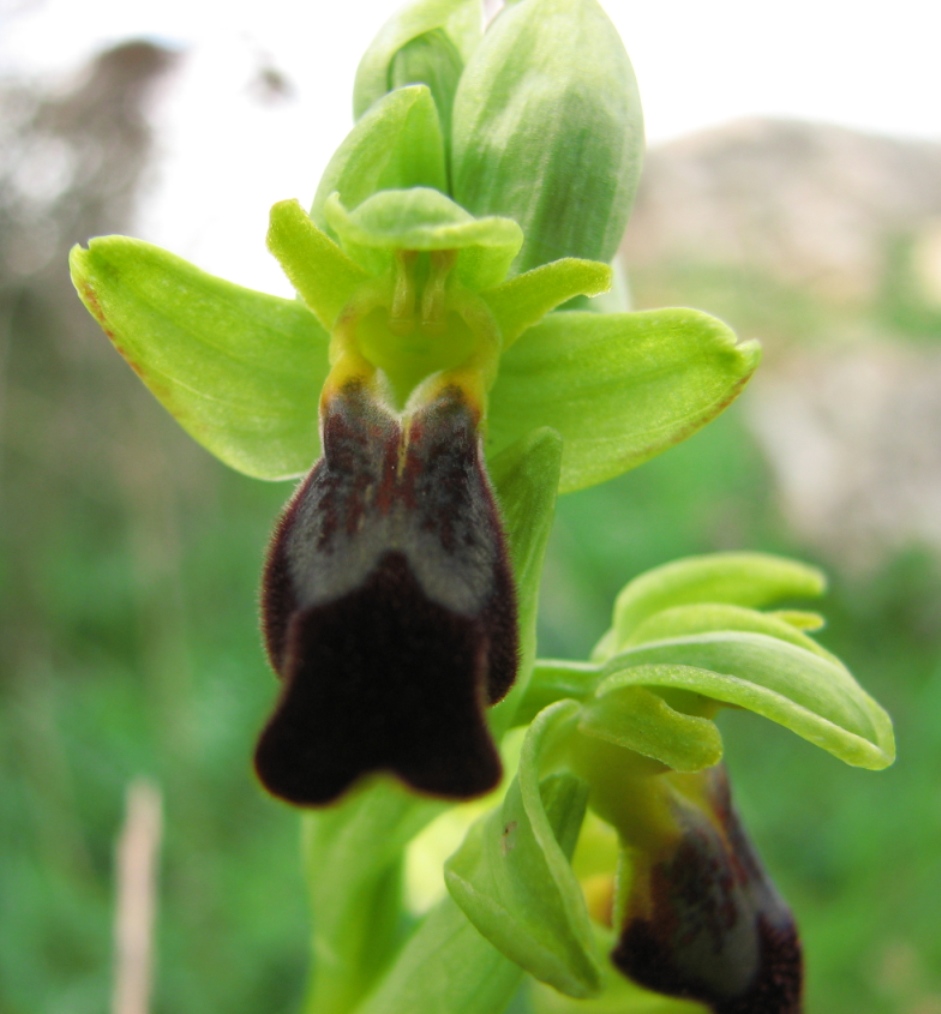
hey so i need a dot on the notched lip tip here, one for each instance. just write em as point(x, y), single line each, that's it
point(370, 779)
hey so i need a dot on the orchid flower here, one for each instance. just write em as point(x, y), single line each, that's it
point(454, 361)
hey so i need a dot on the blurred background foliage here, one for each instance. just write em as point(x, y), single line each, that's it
point(129, 559)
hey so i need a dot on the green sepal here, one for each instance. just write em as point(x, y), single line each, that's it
point(352, 858)
point(638, 719)
point(619, 388)
point(461, 21)
point(523, 301)
point(445, 967)
point(240, 371)
point(681, 621)
point(744, 579)
point(425, 219)
point(526, 479)
point(396, 145)
point(554, 142)
point(324, 277)
point(512, 875)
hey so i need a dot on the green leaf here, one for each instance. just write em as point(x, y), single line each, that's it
point(808, 694)
point(446, 967)
point(681, 621)
point(619, 388)
point(352, 856)
point(547, 129)
point(642, 721)
point(512, 875)
point(523, 301)
point(396, 145)
point(526, 479)
point(424, 219)
point(743, 579)
point(239, 370)
point(460, 20)
point(323, 275)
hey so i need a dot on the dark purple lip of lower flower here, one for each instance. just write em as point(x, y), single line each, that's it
point(712, 926)
point(389, 608)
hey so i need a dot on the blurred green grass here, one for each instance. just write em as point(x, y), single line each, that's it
point(129, 563)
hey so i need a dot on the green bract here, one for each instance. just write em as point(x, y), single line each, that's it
point(446, 33)
point(512, 876)
point(398, 144)
point(571, 129)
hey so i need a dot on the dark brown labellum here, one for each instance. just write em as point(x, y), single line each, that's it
point(389, 607)
point(706, 923)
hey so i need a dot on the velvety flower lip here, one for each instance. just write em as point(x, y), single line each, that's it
point(704, 921)
point(389, 606)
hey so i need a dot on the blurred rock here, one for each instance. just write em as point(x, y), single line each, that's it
point(813, 206)
point(809, 220)
point(853, 436)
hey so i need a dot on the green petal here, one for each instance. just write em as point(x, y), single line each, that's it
point(526, 478)
point(424, 219)
point(523, 301)
point(743, 579)
point(239, 370)
point(360, 842)
point(619, 388)
point(547, 129)
point(512, 875)
point(639, 720)
point(808, 694)
point(681, 621)
point(321, 272)
point(460, 20)
point(396, 145)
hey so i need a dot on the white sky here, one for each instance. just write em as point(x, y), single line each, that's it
point(699, 63)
